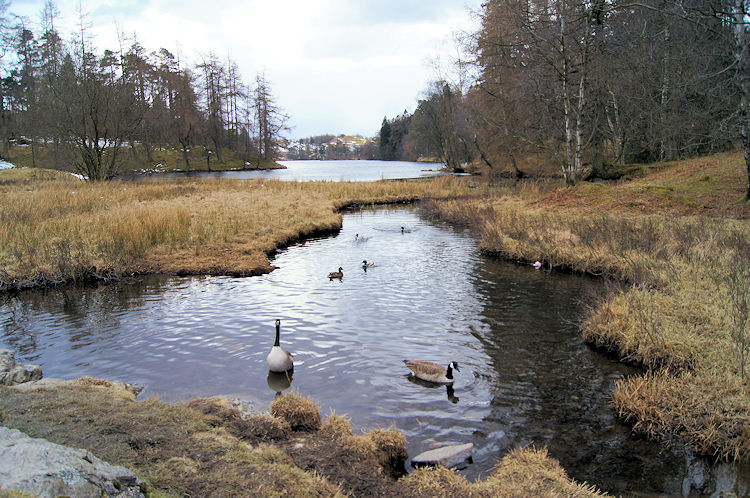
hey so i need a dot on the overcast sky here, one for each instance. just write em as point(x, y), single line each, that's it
point(336, 66)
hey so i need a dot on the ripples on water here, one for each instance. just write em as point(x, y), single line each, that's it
point(526, 377)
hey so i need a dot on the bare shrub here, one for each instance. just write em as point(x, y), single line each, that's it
point(732, 280)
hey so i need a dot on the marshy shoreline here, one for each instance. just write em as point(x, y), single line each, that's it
point(668, 312)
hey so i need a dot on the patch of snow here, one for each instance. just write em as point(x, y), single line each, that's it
point(6, 165)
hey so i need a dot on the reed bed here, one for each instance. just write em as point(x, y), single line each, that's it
point(58, 231)
point(679, 300)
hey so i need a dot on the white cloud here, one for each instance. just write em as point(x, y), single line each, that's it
point(336, 66)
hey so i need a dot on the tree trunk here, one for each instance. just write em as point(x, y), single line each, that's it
point(664, 148)
point(742, 79)
point(33, 150)
point(185, 157)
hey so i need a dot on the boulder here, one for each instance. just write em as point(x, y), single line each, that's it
point(12, 373)
point(455, 456)
point(41, 468)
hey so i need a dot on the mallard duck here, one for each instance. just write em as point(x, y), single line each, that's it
point(279, 360)
point(366, 265)
point(336, 274)
point(432, 372)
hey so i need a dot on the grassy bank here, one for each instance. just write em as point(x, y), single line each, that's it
point(678, 243)
point(66, 229)
point(133, 162)
point(206, 448)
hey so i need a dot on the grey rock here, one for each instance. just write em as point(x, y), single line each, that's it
point(12, 373)
point(454, 456)
point(46, 469)
point(45, 383)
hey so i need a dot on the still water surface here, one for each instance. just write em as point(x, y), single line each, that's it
point(334, 171)
point(526, 376)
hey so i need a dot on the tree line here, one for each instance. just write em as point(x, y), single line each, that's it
point(92, 108)
point(588, 84)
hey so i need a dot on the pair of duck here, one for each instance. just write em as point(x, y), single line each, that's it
point(340, 272)
point(281, 360)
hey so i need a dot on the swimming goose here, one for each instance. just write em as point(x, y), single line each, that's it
point(336, 274)
point(279, 360)
point(432, 372)
point(405, 230)
point(367, 265)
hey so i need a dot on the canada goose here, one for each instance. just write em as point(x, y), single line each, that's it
point(367, 265)
point(432, 372)
point(405, 230)
point(279, 360)
point(336, 274)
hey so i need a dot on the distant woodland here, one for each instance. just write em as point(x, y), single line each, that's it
point(583, 85)
point(91, 107)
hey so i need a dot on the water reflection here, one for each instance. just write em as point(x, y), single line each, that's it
point(526, 377)
point(333, 171)
point(279, 381)
point(449, 391)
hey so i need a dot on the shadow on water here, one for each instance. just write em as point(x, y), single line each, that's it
point(526, 376)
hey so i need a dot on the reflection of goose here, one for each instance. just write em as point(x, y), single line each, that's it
point(405, 230)
point(450, 394)
point(432, 372)
point(278, 359)
point(279, 381)
point(367, 265)
point(336, 274)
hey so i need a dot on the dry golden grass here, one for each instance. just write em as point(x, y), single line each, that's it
point(57, 231)
point(207, 448)
point(300, 412)
point(681, 306)
point(177, 450)
point(710, 411)
point(521, 473)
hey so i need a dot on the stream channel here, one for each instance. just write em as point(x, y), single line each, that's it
point(526, 377)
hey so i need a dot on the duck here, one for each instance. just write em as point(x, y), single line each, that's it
point(336, 274)
point(367, 265)
point(279, 360)
point(405, 230)
point(432, 372)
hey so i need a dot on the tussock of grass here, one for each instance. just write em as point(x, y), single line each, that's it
point(219, 412)
point(521, 473)
point(710, 411)
point(390, 448)
point(337, 426)
point(53, 232)
point(301, 413)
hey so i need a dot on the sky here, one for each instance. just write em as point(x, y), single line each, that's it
point(335, 66)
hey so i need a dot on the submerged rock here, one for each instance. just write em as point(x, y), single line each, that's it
point(455, 456)
point(41, 468)
point(12, 373)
